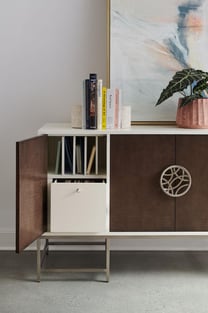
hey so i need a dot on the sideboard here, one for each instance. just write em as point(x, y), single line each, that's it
point(88, 186)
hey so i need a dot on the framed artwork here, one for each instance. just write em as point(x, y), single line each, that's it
point(148, 42)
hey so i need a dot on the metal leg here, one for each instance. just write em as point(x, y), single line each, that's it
point(107, 251)
point(47, 246)
point(38, 260)
point(45, 249)
point(41, 255)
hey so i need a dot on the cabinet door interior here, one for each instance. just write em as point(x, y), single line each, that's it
point(192, 208)
point(31, 190)
point(137, 202)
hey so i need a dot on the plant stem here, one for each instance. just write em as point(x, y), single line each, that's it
point(182, 93)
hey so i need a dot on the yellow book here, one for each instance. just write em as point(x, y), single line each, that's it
point(104, 92)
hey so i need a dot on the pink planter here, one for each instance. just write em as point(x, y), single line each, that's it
point(193, 115)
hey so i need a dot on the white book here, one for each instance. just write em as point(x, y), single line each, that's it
point(118, 108)
point(110, 108)
point(99, 103)
point(84, 105)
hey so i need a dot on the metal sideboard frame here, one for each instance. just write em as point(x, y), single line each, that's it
point(67, 240)
point(105, 237)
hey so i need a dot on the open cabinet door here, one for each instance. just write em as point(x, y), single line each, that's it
point(31, 190)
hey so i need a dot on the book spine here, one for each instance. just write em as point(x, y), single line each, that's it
point(99, 103)
point(84, 106)
point(118, 108)
point(80, 155)
point(104, 94)
point(93, 101)
point(110, 107)
point(87, 103)
point(58, 158)
point(68, 156)
point(91, 159)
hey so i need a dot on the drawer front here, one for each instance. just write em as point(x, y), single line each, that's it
point(78, 207)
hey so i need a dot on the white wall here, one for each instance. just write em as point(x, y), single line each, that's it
point(47, 48)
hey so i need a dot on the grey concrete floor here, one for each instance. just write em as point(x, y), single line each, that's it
point(140, 282)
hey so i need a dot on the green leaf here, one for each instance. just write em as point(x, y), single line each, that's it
point(200, 86)
point(180, 81)
point(188, 99)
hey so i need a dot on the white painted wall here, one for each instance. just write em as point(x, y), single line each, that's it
point(47, 48)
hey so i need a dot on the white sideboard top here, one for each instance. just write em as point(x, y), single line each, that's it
point(64, 129)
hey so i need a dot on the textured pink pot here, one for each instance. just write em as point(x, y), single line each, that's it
point(193, 115)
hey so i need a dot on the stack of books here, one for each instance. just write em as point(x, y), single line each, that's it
point(101, 106)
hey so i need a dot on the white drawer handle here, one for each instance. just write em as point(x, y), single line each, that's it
point(78, 190)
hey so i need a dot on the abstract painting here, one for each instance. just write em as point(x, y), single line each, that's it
point(149, 42)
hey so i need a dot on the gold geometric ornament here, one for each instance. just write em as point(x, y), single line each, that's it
point(175, 181)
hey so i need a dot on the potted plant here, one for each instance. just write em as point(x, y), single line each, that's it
point(192, 110)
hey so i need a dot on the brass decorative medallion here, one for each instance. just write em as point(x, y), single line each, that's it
point(175, 181)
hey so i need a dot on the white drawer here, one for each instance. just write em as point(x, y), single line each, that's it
point(78, 207)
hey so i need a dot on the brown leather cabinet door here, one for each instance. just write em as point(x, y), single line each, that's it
point(192, 208)
point(137, 202)
point(31, 190)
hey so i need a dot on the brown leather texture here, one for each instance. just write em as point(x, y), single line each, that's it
point(192, 208)
point(137, 202)
point(31, 190)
